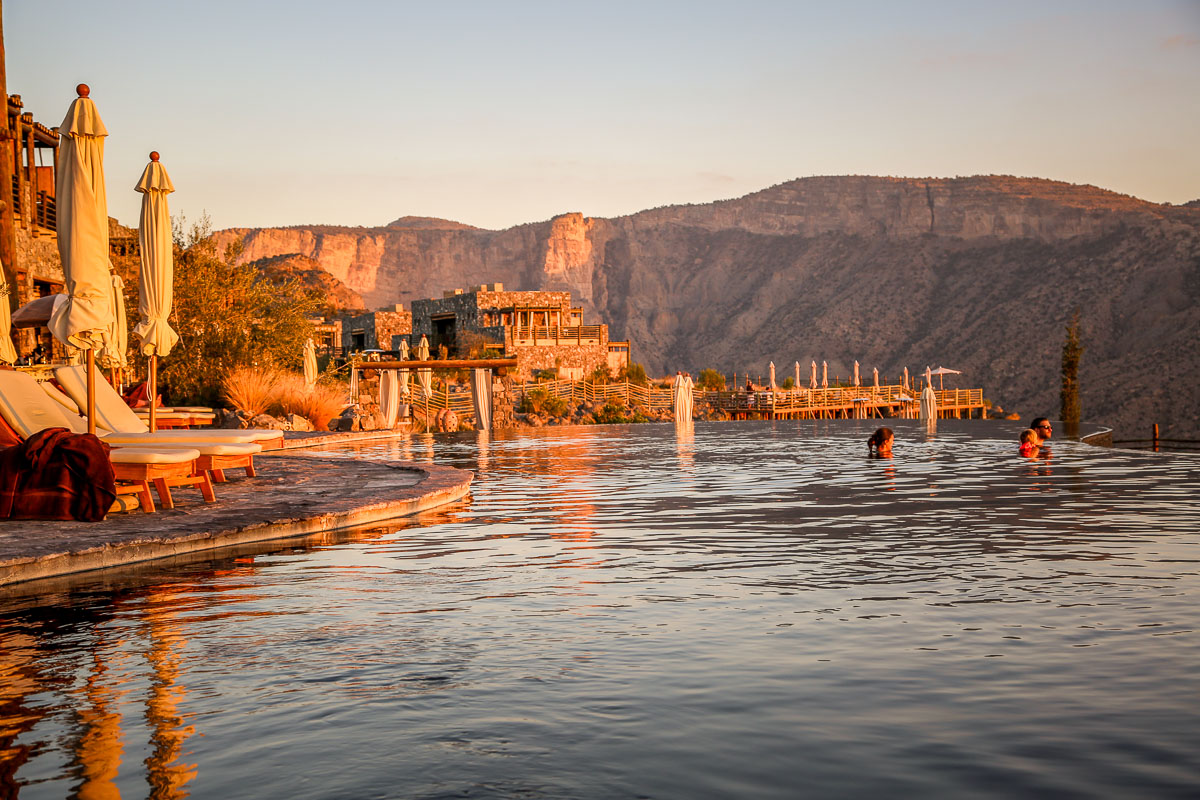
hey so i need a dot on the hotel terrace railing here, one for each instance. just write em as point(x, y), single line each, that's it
point(839, 401)
point(529, 336)
point(833, 402)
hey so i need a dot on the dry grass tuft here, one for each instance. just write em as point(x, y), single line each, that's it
point(318, 404)
point(250, 390)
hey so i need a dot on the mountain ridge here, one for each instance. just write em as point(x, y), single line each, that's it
point(981, 272)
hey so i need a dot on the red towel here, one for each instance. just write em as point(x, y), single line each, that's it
point(56, 474)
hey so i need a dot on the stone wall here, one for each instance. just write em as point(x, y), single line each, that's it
point(580, 359)
point(466, 307)
point(378, 328)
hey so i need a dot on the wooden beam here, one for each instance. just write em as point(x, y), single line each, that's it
point(460, 363)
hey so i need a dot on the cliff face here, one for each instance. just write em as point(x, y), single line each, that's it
point(979, 274)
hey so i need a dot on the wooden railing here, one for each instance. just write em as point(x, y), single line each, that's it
point(47, 211)
point(842, 400)
point(542, 334)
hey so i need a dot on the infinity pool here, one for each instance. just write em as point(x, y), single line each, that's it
point(753, 610)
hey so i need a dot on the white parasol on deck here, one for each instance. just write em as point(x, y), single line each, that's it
point(771, 382)
point(404, 372)
point(84, 320)
point(875, 374)
point(156, 280)
point(310, 362)
point(481, 398)
point(824, 374)
point(856, 381)
point(389, 397)
point(796, 377)
point(942, 372)
point(424, 376)
point(929, 407)
point(812, 378)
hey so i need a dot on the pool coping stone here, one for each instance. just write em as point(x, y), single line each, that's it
point(293, 495)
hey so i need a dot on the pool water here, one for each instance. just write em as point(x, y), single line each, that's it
point(746, 610)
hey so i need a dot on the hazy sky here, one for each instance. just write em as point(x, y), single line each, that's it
point(495, 114)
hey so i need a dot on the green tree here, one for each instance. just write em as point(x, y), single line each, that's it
point(710, 380)
point(1072, 354)
point(635, 373)
point(228, 316)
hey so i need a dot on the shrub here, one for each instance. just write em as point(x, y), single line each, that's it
point(251, 390)
point(600, 374)
point(635, 373)
point(228, 316)
point(318, 404)
point(788, 383)
point(710, 381)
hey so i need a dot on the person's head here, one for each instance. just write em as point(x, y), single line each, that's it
point(1030, 436)
point(881, 442)
point(1042, 427)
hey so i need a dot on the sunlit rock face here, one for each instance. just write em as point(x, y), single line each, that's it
point(979, 274)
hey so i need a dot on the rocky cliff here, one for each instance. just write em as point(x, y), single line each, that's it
point(979, 274)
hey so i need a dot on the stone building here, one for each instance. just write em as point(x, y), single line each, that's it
point(36, 269)
point(540, 329)
point(375, 330)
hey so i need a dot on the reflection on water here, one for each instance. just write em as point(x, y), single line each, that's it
point(718, 611)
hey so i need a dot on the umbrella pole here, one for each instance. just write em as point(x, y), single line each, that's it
point(91, 390)
point(152, 386)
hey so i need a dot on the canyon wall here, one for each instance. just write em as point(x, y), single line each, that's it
point(979, 274)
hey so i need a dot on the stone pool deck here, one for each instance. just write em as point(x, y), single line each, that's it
point(294, 494)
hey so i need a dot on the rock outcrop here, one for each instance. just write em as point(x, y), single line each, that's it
point(979, 274)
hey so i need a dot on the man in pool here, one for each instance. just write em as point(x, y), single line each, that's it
point(1041, 426)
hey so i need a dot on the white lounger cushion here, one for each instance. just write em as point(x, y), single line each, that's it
point(113, 415)
point(27, 408)
point(56, 395)
point(205, 448)
point(145, 455)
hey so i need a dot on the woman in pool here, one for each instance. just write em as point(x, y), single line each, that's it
point(880, 443)
point(1030, 442)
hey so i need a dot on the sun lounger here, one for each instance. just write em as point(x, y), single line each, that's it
point(123, 426)
point(26, 409)
point(213, 456)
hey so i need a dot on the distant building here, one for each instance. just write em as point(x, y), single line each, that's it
point(540, 329)
point(374, 330)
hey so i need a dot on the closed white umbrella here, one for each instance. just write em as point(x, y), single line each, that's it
point(875, 373)
point(856, 381)
point(677, 397)
point(812, 378)
point(772, 371)
point(796, 377)
point(83, 321)
point(906, 384)
point(481, 398)
point(824, 374)
point(389, 397)
point(404, 372)
point(114, 356)
point(310, 362)
point(928, 377)
point(688, 388)
point(156, 281)
point(8, 353)
point(424, 376)
point(928, 403)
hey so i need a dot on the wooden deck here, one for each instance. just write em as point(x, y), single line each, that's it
point(840, 402)
point(844, 402)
